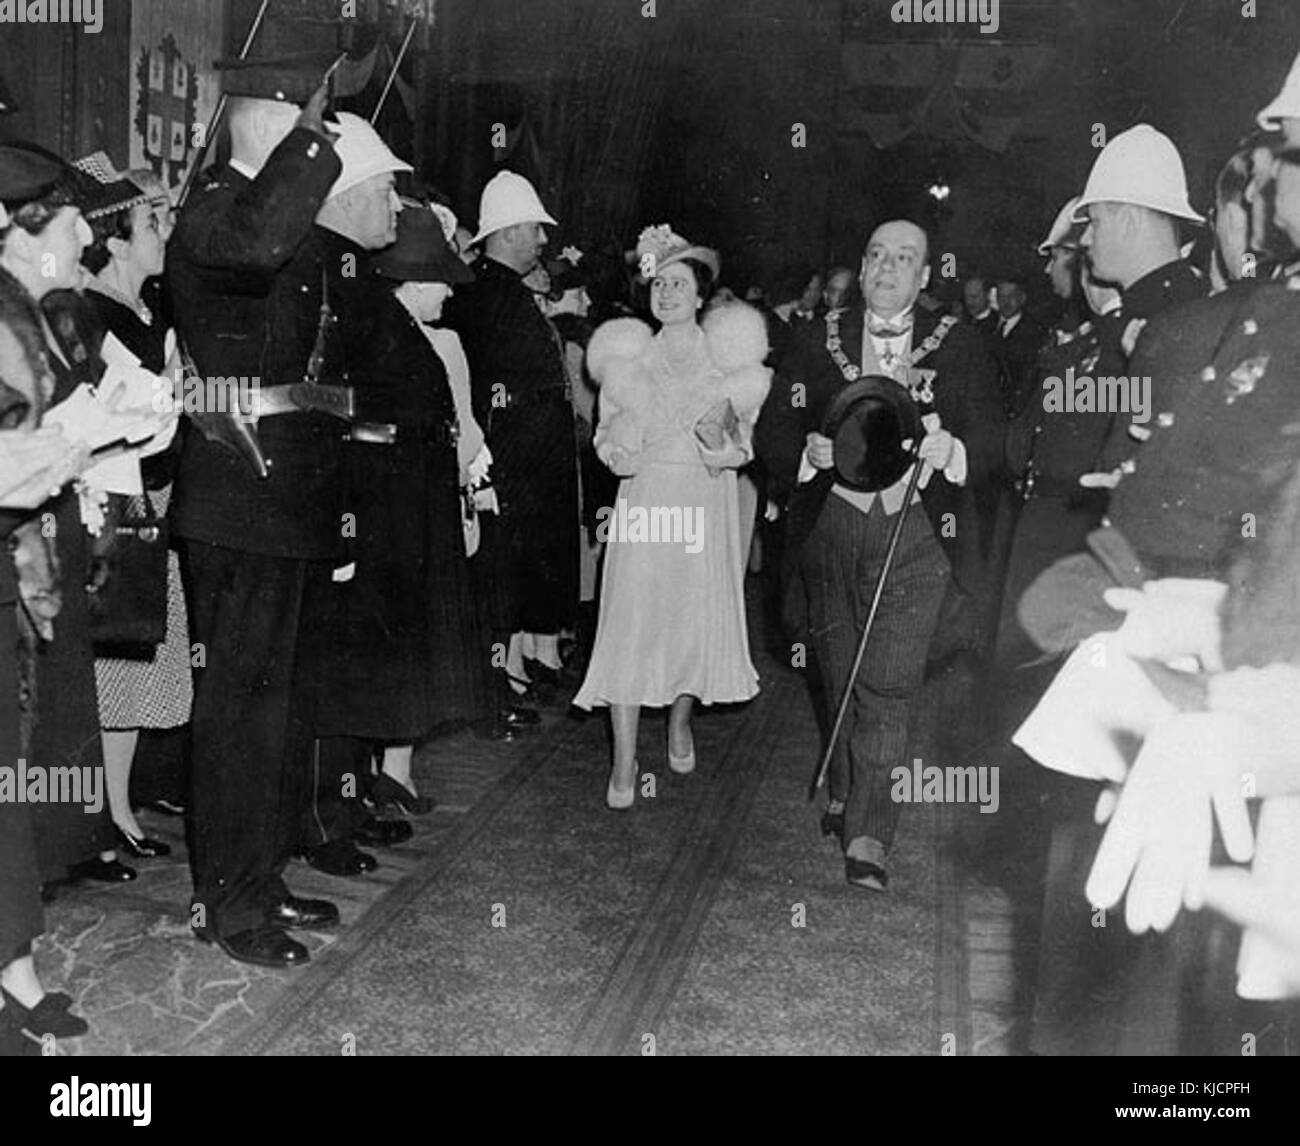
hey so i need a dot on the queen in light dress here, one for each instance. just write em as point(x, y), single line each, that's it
point(677, 411)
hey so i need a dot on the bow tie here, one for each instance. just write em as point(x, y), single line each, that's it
point(880, 329)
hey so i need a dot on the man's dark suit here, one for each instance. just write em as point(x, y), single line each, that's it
point(1018, 353)
point(246, 279)
point(834, 550)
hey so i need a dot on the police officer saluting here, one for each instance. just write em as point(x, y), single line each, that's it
point(247, 273)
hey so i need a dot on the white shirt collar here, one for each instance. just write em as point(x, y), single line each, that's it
point(243, 169)
point(1010, 324)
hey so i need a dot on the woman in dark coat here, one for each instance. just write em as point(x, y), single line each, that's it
point(405, 651)
point(40, 230)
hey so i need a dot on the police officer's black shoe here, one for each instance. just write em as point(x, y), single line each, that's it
point(262, 946)
point(293, 911)
point(377, 833)
point(339, 857)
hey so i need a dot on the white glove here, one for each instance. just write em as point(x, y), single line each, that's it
point(1158, 842)
point(1175, 620)
point(1266, 901)
point(1099, 700)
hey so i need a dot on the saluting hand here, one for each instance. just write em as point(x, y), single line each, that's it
point(312, 116)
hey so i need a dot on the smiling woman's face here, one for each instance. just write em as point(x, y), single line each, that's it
point(674, 296)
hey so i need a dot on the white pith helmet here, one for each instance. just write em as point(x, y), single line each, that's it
point(508, 199)
point(1139, 166)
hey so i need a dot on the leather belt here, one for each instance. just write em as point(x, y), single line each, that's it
point(387, 433)
point(304, 398)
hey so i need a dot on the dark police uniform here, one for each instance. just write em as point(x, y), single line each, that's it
point(519, 390)
point(1200, 493)
point(246, 276)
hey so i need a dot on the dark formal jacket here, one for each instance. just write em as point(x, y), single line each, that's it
point(965, 397)
point(1049, 450)
point(1202, 485)
point(402, 645)
point(245, 266)
point(518, 387)
point(1018, 354)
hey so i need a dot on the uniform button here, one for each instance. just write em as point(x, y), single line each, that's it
point(313, 150)
point(1164, 421)
point(303, 288)
point(1208, 374)
point(1128, 466)
point(1250, 326)
point(1141, 433)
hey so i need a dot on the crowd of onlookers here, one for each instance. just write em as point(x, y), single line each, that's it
point(453, 576)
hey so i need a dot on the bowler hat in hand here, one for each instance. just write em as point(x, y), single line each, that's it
point(869, 420)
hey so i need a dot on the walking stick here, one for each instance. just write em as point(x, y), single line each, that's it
point(895, 534)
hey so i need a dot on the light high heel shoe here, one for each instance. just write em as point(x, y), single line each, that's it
point(620, 799)
point(682, 765)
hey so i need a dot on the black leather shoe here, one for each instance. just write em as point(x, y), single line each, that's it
point(106, 871)
point(51, 1016)
point(263, 946)
point(377, 833)
point(864, 873)
point(141, 847)
point(339, 857)
point(388, 795)
point(293, 911)
point(833, 824)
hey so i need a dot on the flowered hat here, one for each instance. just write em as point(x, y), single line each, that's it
point(665, 247)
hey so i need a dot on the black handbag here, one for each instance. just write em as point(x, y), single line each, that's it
point(127, 584)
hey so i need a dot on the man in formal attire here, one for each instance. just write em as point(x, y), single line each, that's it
point(802, 309)
point(247, 292)
point(839, 289)
point(1019, 338)
point(838, 535)
point(520, 398)
point(979, 311)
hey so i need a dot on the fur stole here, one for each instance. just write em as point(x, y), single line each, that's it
point(735, 336)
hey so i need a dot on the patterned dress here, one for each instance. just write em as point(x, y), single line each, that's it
point(156, 692)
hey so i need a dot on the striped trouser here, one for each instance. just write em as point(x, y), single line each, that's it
point(840, 562)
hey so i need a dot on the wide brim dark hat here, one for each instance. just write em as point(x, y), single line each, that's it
point(421, 253)
point(868, 420)
point(27, 172)
point(566, 275)
point(290, 79)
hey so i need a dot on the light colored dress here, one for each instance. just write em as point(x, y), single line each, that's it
point(672, 609)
